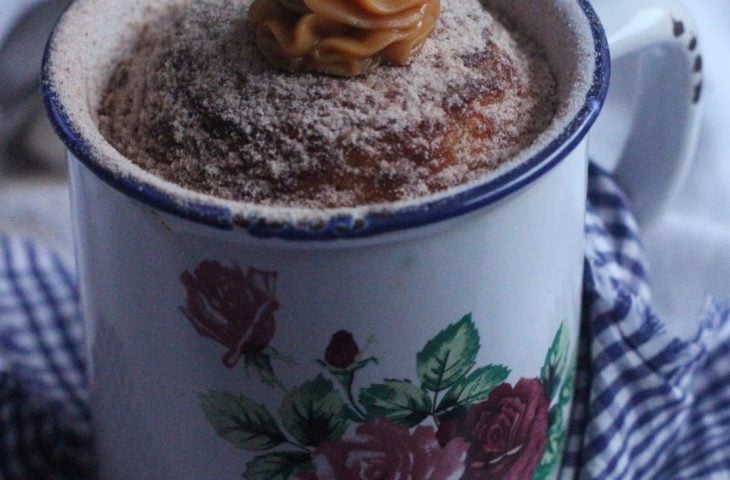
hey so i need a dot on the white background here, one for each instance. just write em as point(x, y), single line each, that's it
point(689, 250)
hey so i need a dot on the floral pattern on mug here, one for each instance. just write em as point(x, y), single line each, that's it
point(454, 420)
point(380, 450)
point(507, 431)
point(342, 350)
point(235, 309)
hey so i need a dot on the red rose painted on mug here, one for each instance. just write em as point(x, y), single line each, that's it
point(380, 450)
point(508, 432)
point(234, 308)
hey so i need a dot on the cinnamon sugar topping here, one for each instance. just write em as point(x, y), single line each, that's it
point(341, 37)
point(196, 103)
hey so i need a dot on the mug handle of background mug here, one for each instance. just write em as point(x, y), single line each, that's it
point(653, 105)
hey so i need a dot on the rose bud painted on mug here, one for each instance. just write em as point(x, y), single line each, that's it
point(342, 350)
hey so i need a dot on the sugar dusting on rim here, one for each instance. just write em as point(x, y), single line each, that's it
point(79, 27)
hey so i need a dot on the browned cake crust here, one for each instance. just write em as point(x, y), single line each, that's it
point(196, 103)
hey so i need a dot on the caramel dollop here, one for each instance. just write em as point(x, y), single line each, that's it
point(341, 37)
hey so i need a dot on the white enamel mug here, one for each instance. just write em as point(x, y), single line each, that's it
point(432, 339)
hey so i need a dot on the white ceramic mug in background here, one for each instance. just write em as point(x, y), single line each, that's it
point(433, 339)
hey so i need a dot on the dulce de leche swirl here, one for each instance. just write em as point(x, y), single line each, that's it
point(341, 37)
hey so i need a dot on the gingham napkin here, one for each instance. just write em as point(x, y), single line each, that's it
point(647, 406)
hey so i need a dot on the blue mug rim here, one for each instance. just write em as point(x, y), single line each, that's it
point(346, 226)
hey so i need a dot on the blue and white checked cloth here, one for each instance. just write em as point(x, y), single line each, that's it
point(44, 417)
point(647, 406)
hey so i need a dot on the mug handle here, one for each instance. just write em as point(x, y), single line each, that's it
point(653, 105)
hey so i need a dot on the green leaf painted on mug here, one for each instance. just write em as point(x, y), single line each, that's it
point(275, 466)
point(314, 412)
point(399, 401)
point(566, 391)
point(554, 448)
point(553, 454)
point(243, 422)
point(545, 469)
point(352, 415)
point(475, 387)
point(260, 363)
point(556, 362)
point(448, 357)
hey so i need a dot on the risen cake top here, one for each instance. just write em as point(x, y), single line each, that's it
point(195, 102)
